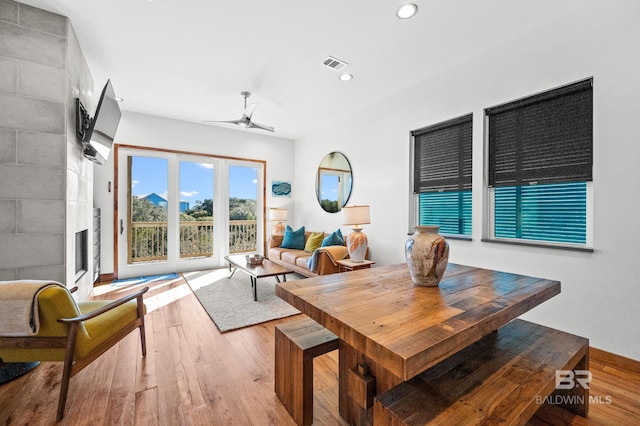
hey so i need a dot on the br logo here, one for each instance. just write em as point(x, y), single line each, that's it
point(569, 379)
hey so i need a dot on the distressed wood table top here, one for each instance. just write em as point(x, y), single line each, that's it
point(405, 328)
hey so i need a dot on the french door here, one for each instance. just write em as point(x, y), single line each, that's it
point(180, 211)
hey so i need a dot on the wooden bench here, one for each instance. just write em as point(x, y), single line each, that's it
point(503, 378)
point(297, 343)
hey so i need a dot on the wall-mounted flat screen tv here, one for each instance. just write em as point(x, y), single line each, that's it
point(97, 134)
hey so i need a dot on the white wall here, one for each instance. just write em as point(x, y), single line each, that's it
point(600, 296)
point(151, 131)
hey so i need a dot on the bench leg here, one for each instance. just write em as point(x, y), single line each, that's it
point(294, 379)
point(577, 398)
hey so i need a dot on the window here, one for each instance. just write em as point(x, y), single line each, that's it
point(540, 166)
point(442, 175)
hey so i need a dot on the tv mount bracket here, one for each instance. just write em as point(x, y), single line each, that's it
point(83, 120)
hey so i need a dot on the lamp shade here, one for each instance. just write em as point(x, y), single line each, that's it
point(355, 215)
point(276, 214)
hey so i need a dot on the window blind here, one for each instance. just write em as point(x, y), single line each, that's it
point(442, 156)
point(546, 138)
point(554, 212)
point(451, 211)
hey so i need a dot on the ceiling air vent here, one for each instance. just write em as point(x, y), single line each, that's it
point(334, 64)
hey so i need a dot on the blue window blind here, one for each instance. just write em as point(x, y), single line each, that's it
point(551, 212)
point(449, 210)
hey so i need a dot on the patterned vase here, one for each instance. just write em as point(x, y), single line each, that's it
point(427, 254)
point(278, 229)
point(357, 244)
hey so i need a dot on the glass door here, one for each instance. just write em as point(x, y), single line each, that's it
point(243, 211)
point(147, 206)
point(196, 209)
point(183, 212)
point(145, 212)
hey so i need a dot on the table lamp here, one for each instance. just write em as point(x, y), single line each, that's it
point(277, 215)
point(357, 240)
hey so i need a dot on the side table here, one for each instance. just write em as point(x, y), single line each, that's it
point(345, 265)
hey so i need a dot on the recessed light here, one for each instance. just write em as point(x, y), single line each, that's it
point(345, 77)
point(407, 10)
point(119, 99)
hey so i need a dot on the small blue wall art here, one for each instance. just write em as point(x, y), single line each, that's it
point(281, 188)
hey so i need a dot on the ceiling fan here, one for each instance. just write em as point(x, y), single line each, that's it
point(246, 120)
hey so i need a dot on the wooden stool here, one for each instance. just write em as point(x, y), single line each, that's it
point(297, 343)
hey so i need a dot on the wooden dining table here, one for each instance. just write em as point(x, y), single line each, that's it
point(391, 330)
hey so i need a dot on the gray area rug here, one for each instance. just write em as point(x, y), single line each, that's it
point(229, 302)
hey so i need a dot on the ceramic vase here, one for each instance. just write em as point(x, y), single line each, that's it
point(357, 245)
point(427, 255)
point(278, 229)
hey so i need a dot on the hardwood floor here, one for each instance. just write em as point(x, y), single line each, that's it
point(194, 375)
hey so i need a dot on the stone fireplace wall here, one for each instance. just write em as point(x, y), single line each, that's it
point(46, 185)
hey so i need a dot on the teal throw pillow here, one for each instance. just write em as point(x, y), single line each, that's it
point(293, 239)
point(334, 239)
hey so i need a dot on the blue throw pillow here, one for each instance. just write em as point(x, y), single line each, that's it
point(293, 239)
point(334, 239)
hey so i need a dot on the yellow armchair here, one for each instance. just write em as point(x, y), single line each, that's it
point(75, 333)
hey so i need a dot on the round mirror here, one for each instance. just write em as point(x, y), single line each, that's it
point(333, 182)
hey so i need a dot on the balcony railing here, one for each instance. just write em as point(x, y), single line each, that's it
point(196, 239)
point(149, 239)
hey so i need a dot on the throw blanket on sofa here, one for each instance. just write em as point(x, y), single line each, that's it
point(19, 307)
point(335, 252)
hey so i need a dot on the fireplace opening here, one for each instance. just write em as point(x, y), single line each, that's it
point(81, 254)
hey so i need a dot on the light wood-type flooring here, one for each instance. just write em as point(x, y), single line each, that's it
point(194, 375)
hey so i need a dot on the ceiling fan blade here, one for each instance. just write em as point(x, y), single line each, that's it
point(245, 121)
point(248, 111)
point(260, 126)
point(242, 120)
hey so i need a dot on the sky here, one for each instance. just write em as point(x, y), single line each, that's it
point(329, 187)
point(150, 175)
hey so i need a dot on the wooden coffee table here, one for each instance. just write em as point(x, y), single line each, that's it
point(267, 269)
